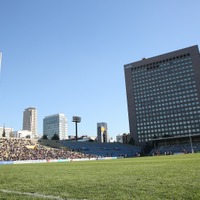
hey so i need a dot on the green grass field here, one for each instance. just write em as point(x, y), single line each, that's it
point(163, 177)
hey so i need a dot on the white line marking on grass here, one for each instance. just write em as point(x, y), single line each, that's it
point(33, 194)
point(37, 195)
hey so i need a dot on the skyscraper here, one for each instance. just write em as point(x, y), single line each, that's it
point(102, 132)
point(55, 124)
point(30, 120)
point(163, 95)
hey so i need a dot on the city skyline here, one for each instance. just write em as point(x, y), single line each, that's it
point(69, 57)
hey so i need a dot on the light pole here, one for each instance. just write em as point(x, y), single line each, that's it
point(76, 119)
point(192, 150)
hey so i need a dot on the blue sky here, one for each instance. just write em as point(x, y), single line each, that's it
point(67, 56)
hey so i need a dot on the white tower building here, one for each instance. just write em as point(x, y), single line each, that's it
point(55, 124)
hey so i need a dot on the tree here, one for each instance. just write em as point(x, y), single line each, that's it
point(147, 148)
point(4, 132)
point(55, 137)
point(132, 141)
point(44, 137)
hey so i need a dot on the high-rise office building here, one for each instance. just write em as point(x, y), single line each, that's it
point(102, 132)
point(30, 120)
point(55, 124)
point(163, 95)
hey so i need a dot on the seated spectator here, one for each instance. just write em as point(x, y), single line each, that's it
point(12, 149)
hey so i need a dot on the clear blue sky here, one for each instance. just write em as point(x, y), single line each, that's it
point(67, 56)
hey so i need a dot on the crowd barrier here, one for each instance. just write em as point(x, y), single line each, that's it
point(55, 160)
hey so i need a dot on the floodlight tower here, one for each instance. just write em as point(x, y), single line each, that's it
point(77, 120)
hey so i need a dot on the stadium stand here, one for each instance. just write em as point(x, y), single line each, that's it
point(15, 149)
point(104, 149)
point(175, 149)
point(51, 143)
point(12, 149)
point(176, 145)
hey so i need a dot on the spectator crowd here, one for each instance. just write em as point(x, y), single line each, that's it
point(12, 149)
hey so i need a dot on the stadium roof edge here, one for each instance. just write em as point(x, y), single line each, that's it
point(175, 137)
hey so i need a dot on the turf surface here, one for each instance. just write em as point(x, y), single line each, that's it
point(162, 177)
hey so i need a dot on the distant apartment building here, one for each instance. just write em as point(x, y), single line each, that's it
point(6, 132)
point(30, 120)
point(55, 124)
point(111, 140)
point(119, 138)
point(123, 138)
point(127, 139)
point(163, 95)
point(23, 134)
point(102, 132)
